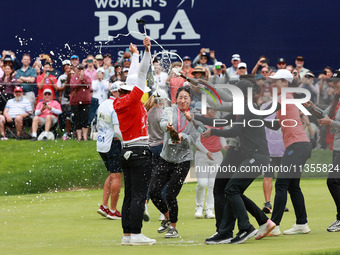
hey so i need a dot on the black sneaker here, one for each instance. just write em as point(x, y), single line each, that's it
point(267, 207)
point(286, 209)
point(34, 139)
point(244, 235)
point(165, 225)
point(218, 239)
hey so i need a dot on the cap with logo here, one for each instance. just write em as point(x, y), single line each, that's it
point(198, 69)
point(235, 57)
point(282, 74)
point(74, 57)
point(186, 58)
point(18, 89)
point(281, 60)
point(300, 58)
point(107, 55)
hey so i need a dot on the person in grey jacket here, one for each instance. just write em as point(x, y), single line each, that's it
point(332, 119)
point(174, 163)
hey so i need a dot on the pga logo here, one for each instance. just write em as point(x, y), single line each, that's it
point(239, 100)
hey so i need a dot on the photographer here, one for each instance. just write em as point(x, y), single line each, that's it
point(220, 75)
point(261, 63)
point(203, 58)
point(46, 81)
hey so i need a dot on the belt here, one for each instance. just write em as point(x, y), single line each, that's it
point(129, 145)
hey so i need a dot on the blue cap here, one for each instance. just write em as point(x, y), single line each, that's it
point(74, 56)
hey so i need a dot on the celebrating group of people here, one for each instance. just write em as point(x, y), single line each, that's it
point(158, 146)
point(151, 137)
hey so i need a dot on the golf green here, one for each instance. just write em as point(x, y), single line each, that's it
point(67, 223)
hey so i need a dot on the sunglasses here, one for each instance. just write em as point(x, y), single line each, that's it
point(242, 68)
point(281, 63)
point(126, 60)
point(265, 72)
point(48, 93)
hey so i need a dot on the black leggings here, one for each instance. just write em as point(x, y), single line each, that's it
point(232, 158)
point(333, 182)
point(294, 158)
point(81, 115)
point(174, 175)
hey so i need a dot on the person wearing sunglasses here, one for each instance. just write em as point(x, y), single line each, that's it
point(90, 71)
point(261, 63)
point(46, 113)
point(308, 83)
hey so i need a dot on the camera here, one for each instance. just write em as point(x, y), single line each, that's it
point(207, 50)
point(264, 61)
point(294, 73)
point(218, 67)
point(8, 52)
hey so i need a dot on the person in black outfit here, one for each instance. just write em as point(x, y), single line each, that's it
point(254, 152)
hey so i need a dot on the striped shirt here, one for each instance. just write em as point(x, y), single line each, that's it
point(18, 107)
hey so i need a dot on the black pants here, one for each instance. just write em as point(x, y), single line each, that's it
point(137, 172)
point(235, 206)
point(232, 158)
point(81, 115)
point(174, 175)
point(294, 158)
point(333, 182)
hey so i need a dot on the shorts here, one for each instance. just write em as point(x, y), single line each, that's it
point(112, 157)
point(54, 120)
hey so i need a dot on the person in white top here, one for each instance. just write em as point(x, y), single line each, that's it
point(100, 86)
point(109, 148)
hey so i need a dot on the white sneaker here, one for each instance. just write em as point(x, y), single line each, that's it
point(265, 229)
point(275, 232)
point(199, 212)
point(161, 217)
point(209, 214)
point(335, 227)
point(126, 240)
point(140, 239)
point(297, 229)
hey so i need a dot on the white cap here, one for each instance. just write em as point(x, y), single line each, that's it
point(116, 86)
point(218, 64)
point(242, 64)
point(160, 94)
point(125, 69)
point(235, 57)
point(131, 81)
point(47, 90)
point(101, 70)
point(282, 74)
point(66, 62)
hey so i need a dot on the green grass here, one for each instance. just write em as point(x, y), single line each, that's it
point(36, 167)
point(67, 223)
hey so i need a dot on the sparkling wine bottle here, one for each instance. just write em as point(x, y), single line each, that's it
point(317, 112)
